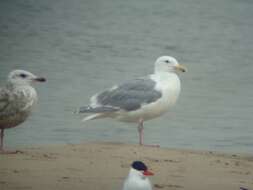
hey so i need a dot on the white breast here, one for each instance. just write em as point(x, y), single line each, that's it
point(26, 97)
point(137, 185)
point(169, 84)
point(135, 182)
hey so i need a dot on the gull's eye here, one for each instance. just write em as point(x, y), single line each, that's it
point(22, 75)
point(167, 61)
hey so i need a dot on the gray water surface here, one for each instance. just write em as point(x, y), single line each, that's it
point(85, 46)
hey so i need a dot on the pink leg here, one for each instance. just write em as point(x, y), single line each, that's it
point(140, 130)
point(2, 151)
point(2, 140)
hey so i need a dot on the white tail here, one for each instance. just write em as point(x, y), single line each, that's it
point(93, 116)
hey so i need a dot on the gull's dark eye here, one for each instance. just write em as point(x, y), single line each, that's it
point(167, 61)
point(22, 75)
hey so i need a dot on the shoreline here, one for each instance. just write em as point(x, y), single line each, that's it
point(9, 146)
point(104, 165)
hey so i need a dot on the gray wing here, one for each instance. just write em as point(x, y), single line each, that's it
point(130, 96)
point(4, 99)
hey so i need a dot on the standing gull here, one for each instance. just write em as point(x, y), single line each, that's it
point(17, 98)
point(140, 99)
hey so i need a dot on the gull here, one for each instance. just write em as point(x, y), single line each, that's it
point(137, 178)
point(139, 99)
point(17, 98)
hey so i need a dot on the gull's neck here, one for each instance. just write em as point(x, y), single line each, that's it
point(159, 72)
point(164, 75)
point(12, 85)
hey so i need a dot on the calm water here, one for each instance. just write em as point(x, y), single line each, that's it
point(84, 46)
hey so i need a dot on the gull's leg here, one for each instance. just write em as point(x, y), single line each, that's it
point(2, 151)
point(140, 130)
point(2, 140)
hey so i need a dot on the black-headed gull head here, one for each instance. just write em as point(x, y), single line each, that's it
point(22, 77)
point(168, 64)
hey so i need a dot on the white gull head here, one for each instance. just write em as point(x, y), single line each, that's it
point(168, 64)
point(22, 77)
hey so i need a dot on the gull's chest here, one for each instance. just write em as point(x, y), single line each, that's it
point(170, 88)
point(19, 107)
point(24, 98)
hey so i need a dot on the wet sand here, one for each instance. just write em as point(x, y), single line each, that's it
point(97, 166)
